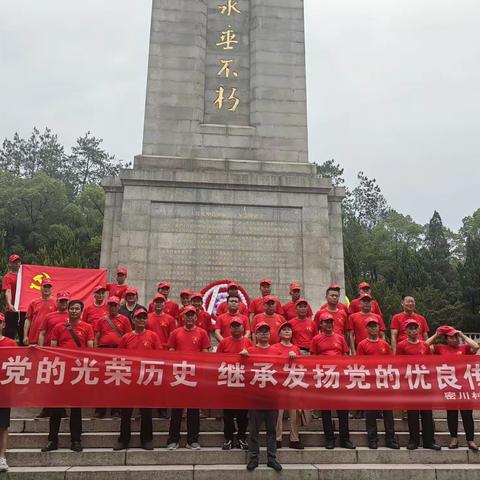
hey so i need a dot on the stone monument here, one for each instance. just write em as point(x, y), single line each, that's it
point(223, 187)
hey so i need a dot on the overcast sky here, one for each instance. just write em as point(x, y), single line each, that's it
point(394, 87)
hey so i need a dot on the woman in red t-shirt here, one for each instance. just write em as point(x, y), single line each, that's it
point(451, 345)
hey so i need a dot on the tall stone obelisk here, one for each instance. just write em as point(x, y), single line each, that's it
point(223, 187)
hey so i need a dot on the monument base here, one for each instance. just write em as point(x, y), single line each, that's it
point(192, 221)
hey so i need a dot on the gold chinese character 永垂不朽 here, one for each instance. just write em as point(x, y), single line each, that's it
point(221, 99)
point(230, 7)
point(226, 70)
point(227, 39)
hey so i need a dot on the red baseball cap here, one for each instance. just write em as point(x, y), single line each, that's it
point(122, 271)
point(265, 281)
point(269, 298)
point(163, 285)
point(301, 300)
point(140, 311)
point(232, 285)
point(115, 300)
point(63, 296)
point(295, 286)
point(14, 258)
point(447, 330)
point(283, 325)
point(371, 320)
point(364, 285)
point(158, 297)
point(334, 287)
point(98, 288)
point(409, 321)
point(326, 316)
point(47, 281)
point(236, 320)
point(260, 325)
point(365, 295)
point(131, 290)
point(188, 309)
point(186, 292)
point(196, 295)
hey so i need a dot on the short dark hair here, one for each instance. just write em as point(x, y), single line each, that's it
point(232, 296)
point(332, 290)
point(76, 302)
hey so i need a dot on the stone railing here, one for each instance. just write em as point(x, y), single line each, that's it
point(473, 335)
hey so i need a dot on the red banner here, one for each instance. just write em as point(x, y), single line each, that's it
point(80, 282)
point(55, 377)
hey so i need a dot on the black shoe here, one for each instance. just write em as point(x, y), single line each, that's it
point(330, 444)
point(412, 445)
point(347, 444)
point(99, 414)
point(393, 444)
point(296, 445)
point(63, 413)
point(147, 445)
point(252, 464)
point(76, 447)
point(44, 413)
point(275, 465)
point(373, 444)
point(279, 444)
point(243, 444)
point(116, 414)
point(432, 446)
point(50, 446)
point(227, 445)
point(120, 446)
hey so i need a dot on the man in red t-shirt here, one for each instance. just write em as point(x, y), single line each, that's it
point(4, 412)
point(14, 320)
point(397, 333)
point(222, 326)
point(188, 338)
point(356, 326)
point(270, 317)
point(204, 319)
point(374, 345)
point(232, 290)
point(257, 417)
point(355, 305)
point(160, 322)
point(414, 345)
point(235, 343)
point(118, 289)
point(338, 310)
point(60, 315)
point(289, 309)
point(73, 334)
point(185, 301)
point(140, 339)
point(131, 304)
point(257, 305)
point(304, 328)
point(327, 342)
point(170, 308)
point(98, 308)
point(36, 313)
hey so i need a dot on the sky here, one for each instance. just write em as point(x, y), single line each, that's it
point(393, 87)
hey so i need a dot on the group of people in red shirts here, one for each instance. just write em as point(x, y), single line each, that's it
point(115, 319)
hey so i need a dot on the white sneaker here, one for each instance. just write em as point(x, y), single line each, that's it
point(172, 446)
point(3, 465)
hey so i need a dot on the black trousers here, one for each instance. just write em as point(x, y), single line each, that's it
point(229, 429)
point(467, 420)
point(255, 420)
point(342, 425)
point(75, 424)
point(428, 427)
point(371, 423)
point(146, 425)
point(14, 323)
point(193, 425)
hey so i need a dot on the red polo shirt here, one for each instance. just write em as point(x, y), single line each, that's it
point(284, 351)
point(93, 313)
point(271, 350)
point(9, 282)
point(223, 308)
point(274, 321)
point(407, 348)
point(399, 318)
point(257, 306)
point(463, 349)
point(232, 345)
point(116, 290)
point(36, 312)
point(356, 323)
point(108, 336)
point(64, 339)
point(303, 332)
point(223, 323)
point(49, 323)
point(355, 307)
point(195, 340)
point(290, 311)
point(371, 347)
point(331, 345)
point(340, 318)
point(170, 308)
point(163, 325)
point(147, 340)
point(7, 342)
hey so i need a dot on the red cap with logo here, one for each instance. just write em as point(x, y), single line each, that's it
point(408, 322)
point(140, 311)
point(14, 258)
point(269, 298)
point(371, 320)
point(326, 316)
point(98, 288)
point(196, 295)
point(364, 285)
point(113, 300)
point(265, 281)
point(47, 282)
point(365, 296)
point(260, 325)
point(301, 300)
point(159, 297)
point(131, 291)
point(334, 286)
point(236, 320)
point(283, 325)
point(163, 285)
point(447, 330)
point(189, 309)
point(232, 285)
point(122, 271)
point(186, 292)
point(63, 296)
point(295, 286)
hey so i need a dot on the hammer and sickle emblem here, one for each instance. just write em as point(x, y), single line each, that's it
point(37, 280)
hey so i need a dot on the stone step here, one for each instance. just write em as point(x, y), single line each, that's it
point(237, 472)
point(207, 425)
point(207, 439)
point(215, 456)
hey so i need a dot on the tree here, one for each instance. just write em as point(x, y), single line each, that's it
point(330, 169)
